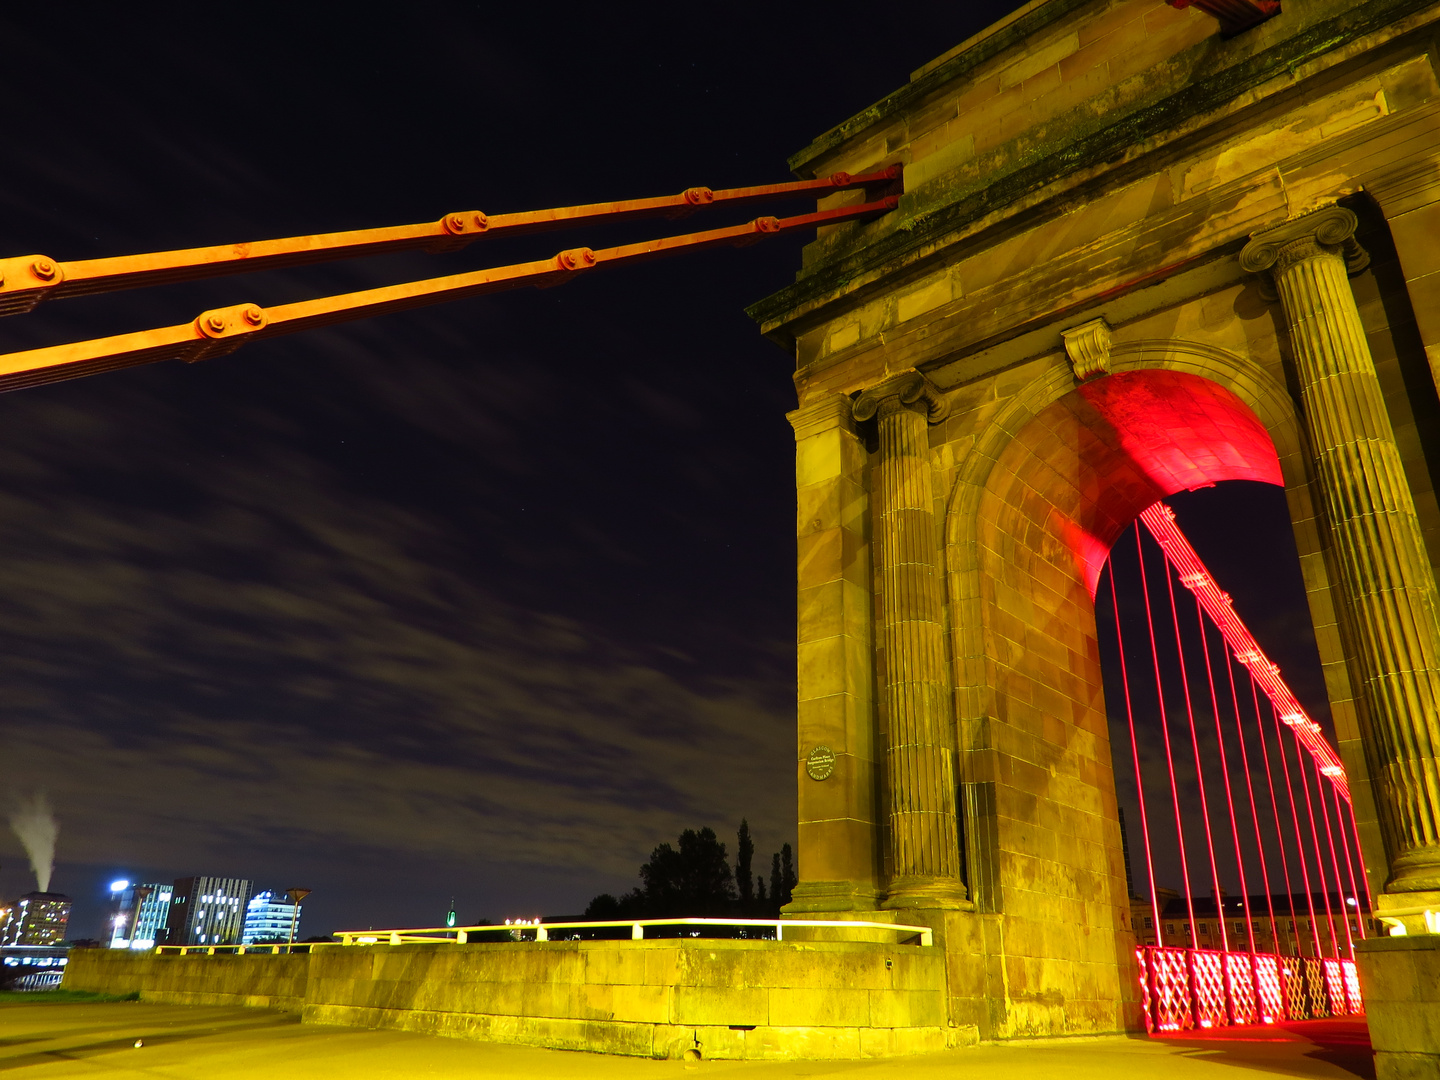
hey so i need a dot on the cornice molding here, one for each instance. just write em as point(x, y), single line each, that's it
point(921, 236)
point(830, 413)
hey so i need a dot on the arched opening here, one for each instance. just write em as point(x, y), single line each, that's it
point(1043, 837)
point(1246, 889)
point(1117, 444)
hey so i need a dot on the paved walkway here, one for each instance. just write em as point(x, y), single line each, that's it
point(38, 1042)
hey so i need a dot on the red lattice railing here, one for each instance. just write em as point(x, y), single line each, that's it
point(1205, 988)
point(1294, 979)
point(1272, 992)
point(1352, 987)
point(1168, 991)
point(1316, 1000)
point(1240, 986)
point(1208, 986)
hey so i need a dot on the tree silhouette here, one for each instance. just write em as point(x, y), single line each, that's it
point(693, 879)
point(744, 876)
point(782, 878)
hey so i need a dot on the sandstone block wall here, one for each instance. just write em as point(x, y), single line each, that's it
point(1401, 980)
point(256, 980)
point(728, 999)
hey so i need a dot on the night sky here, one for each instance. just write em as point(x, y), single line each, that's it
point(479, 601)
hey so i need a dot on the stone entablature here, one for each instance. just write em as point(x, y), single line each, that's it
point(1117, 89)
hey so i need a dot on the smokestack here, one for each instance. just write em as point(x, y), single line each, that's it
point(34, 823)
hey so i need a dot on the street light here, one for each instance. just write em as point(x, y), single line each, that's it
point(296, 895)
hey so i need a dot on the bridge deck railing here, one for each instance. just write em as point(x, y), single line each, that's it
point(537, 931)
point(233, 950)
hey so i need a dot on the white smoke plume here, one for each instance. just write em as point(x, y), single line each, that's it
point(34, 823)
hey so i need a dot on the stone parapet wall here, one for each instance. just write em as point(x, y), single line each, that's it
point(660, 998)
point(257, 980)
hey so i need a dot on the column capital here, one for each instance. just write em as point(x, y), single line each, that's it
point(1329, 230)
point(909, 387)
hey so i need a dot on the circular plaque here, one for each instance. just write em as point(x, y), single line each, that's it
point(820, 763)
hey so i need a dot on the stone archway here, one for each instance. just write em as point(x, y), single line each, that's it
point(1051, 483)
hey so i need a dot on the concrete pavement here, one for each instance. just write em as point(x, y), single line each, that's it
point(220, 1043)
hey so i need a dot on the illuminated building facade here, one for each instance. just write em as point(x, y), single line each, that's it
point(270, 918)
point(138, 921)
point(36, 919)
point(207, 911)
point(1299, 922)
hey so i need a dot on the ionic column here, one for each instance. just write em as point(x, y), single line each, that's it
point(1385, 572)
point(920, 759)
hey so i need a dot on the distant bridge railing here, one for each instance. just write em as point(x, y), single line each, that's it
point(460, 935)
point(233, 950)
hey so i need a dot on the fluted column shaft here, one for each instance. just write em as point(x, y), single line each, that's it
point(1384, 566)
point(920, 759)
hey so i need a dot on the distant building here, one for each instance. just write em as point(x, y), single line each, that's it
point(37, 918)
point(206, 911)
point(1291, 924)
point(138, 921)
point(32, 967)
point(270, 918)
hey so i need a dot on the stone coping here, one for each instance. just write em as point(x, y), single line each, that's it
point(1403, 943)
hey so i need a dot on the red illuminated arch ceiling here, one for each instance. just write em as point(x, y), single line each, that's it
point(1121, 442)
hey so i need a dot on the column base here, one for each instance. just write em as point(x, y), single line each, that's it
point(810, 897)
point(944, 894)
point(1417, 912)
point(1415, 871)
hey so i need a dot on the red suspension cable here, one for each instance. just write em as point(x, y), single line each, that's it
point(1195, 745)
point(1254, 813)
point(1299, 839)
point(1165, 729)
point(1225, 772)
point(1319, 859)
point(1135, 754)
point(1275, 812)
point(1335, 862)
point(1360, 855)
point(1160, 520)
point(1349, 865)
